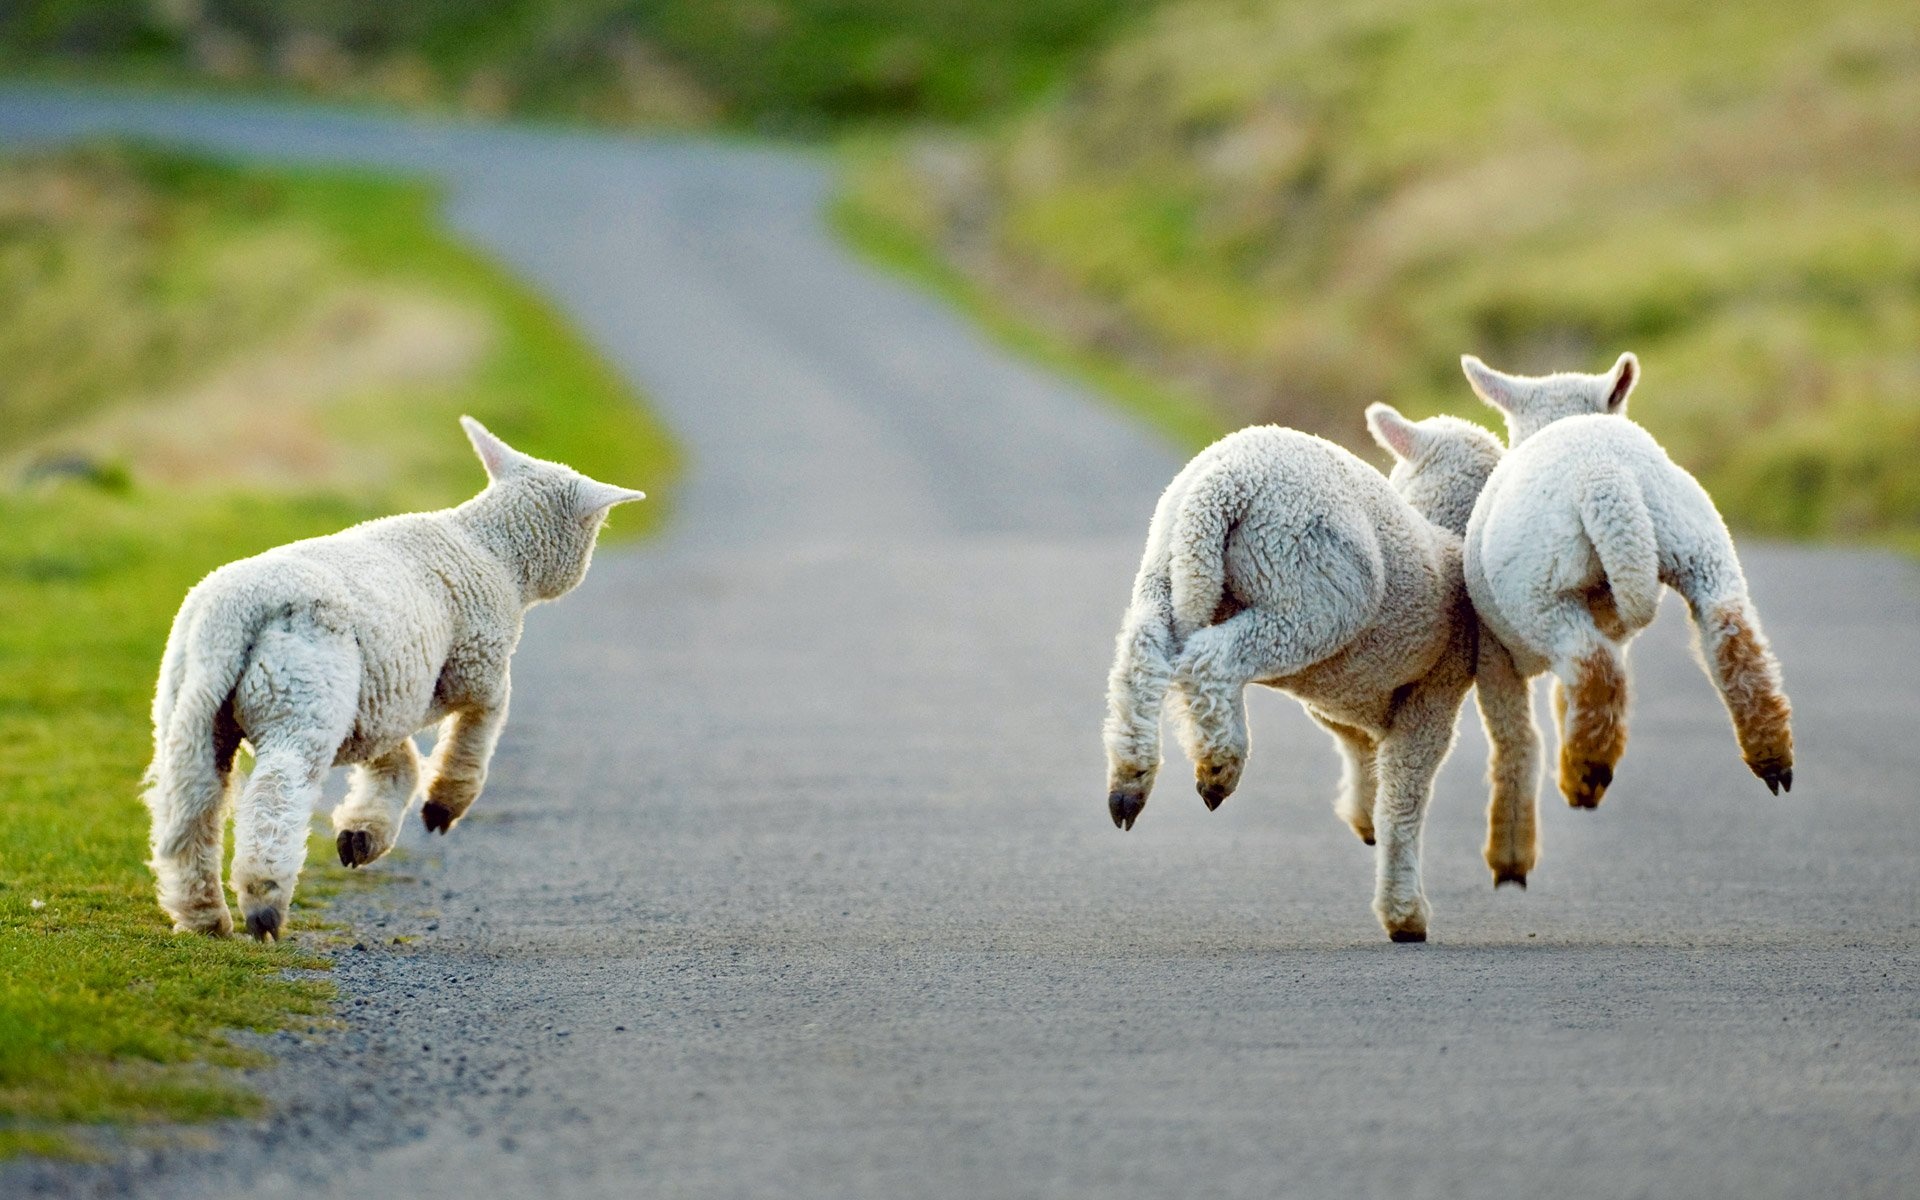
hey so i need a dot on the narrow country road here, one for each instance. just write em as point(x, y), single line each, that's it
point(794, 877)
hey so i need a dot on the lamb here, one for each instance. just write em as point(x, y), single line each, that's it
point(336, 651)
point(1278, 558)
point(1578, 528)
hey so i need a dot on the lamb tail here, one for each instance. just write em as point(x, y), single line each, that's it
point(1615, 516)
point(1198, 563)
point(194, 738)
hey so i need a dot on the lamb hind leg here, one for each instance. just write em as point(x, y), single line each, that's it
point(1136, 692)
point(270, 831)
point(367, 823)
point(1591, 704)
point(1742, 666)
point(1215, 668)
point(297, 701)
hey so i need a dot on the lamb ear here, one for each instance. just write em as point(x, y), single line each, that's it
point(596, 497)
point(1392, 430)
point(496, 456)
point(1620, 381)
point(1501, 391)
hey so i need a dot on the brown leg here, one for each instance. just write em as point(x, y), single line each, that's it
point(1594, 727)
point(1506, 710)
point(1748, 676)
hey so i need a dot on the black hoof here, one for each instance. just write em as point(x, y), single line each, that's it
point(355, 846)
point(1212, 794)
point(1124, 808)
point(1408, 935)
point(1778, 779)
point(264, 926)
point(438, 817)
point(1517, 878)
point(1369, 841)
point(1593, 785)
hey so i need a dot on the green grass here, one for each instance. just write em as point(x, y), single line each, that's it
point(871, 221)
point(791, 64)
point(105, 1015)
point(1312, 206)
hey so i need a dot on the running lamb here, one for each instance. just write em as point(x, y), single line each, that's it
point(1279, 558)
point(336, 651)
point(1580, 525)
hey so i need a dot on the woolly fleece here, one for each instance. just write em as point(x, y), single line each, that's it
point(1278, 558)
point(334, 652)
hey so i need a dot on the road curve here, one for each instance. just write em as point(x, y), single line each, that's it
point(794, 876)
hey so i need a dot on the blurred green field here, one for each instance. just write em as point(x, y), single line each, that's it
point(785, 64)
point(215, 360)
point(1299, 208)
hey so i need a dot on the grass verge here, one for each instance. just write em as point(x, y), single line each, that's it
point(867, 214)
point(1310, 207)
point(793, 64)
point(105, 1015)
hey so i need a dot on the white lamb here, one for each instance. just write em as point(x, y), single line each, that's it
point(336, 651)
point(1578, 527)
point(1279, 558)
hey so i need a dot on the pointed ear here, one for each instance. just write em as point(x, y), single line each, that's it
point(1392, 430)
point(1620, 381)
point(496, 456)
point(1501, 391)
point(596, 497)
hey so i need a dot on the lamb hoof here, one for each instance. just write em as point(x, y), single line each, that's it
point(1368, 839)
point(1125, 808)
point(1213, 794)
point(1591, 785)
point(1777, 778)
point(218, 925)
point(1408, 935)
point(1508, 875)
point(355, 846)
point(264, 926)
point(438, 817)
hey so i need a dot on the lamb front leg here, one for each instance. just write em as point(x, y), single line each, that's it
point(1359, 777)
point(1505, 699)
point(459, 764)
point(368, 820)
point(1410, 756)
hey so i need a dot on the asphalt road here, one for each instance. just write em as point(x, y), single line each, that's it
point(795, 877)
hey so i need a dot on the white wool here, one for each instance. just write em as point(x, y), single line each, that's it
point(1568, 547)
point(1279, 558)
point(335, 651)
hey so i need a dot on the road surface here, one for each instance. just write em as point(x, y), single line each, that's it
point(795, 879)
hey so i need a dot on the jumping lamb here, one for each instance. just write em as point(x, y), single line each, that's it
point(1278, 558)
point(1578, 528)
point(336, 651)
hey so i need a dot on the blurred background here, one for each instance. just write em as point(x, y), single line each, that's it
point(1276, 209)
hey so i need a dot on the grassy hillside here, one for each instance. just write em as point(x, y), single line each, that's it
point(779, 63)
point(1302, 207)
point(202, 362)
